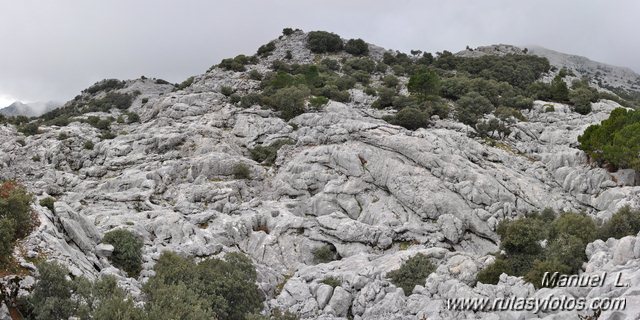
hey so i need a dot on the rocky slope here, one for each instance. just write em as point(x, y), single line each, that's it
point(374, 192)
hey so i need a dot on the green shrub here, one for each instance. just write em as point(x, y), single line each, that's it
point(288, 55)
point(56, 296)
point(226, 90)
point(390, 81)
point(15, 204)
point(318, 102)
point(62, 136)
point(290, 101)
point(250, 99)
point(287, 31)
point(568, 250)
point(471, 107)
point(625, 222)
point(105, 85)
point(535, 275)
point(185, 84)
point(238, 63)
point(145, 100)
point(356, 47)
point(559, 90)
point(186, 290)
point(385, 98)
point(370, 91)
point(322, 41)
point(411, 118)
point(574, 224)
point(549, 108)
point(48, 203)
point(330, 64)
point(412, 273)
point(29, 129)
point(521, 236)
point(424, 84)
point(491, 274)
point(88, 145)
point(127, 251)
point(332, 281)
point(615, 140)
point(162, 81)
point(241, 171)
point(324, 254)
point(266, 49)
point(267, 154)
point(255, 75)
point(132, 117)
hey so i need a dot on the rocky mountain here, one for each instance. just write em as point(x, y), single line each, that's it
point(372, 193)
point(604, 76)
point(33, 109)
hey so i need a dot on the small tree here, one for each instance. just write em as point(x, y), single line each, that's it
point(411, 118)
point(423, 84)
point(322, 41)
point(127, 251)
point(357, 47)
point(412, 273)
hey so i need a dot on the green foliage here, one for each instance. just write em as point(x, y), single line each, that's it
point(413, 272)
point(492, 127)
point(185, 84)
point(521, 236)
point(322, 41)
point(359, 64)
point(186, 290)
point(88, 145)
point(534, 276)
point(332, 281)
point(410, 118)
point(162, 81)
point(144, 100)
point(356, 47)
point(574, 224)
point(62, 136)
point(250, 99)
point(390, 81)
point(255, 75)
point(266, 49)
point(55, 296)
point(289, 101)
point(29, 129)
point(491, 274)
point(267, 154)
point(226, 90)
point(549, 108)
point(105, 85)
point(127, 252)
point(238, 63)
point(317, 102)
point(471, 107)
point(506, 113)
point(132, 117)
point(324, 254)
point(615, 140)
point(559, 90)
point(625, 222)
point(424, 84)
point(241, 171)
point(581, 98)
point(287, 31)
point(15, 205)
point(567, 237)
point(48, 203)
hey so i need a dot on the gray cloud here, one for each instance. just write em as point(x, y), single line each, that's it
point(53, 49)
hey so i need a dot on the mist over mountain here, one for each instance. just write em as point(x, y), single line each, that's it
point(32, 109)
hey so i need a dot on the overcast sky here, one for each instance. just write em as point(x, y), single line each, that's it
point(51, 50)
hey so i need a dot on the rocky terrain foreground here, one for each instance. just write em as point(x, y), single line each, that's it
point(375, 192)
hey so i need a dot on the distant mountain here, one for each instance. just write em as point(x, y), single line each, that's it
point(33, 109)
point(620, 80)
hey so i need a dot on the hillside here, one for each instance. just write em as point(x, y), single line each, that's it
point(328, 175)
point(28, 109)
